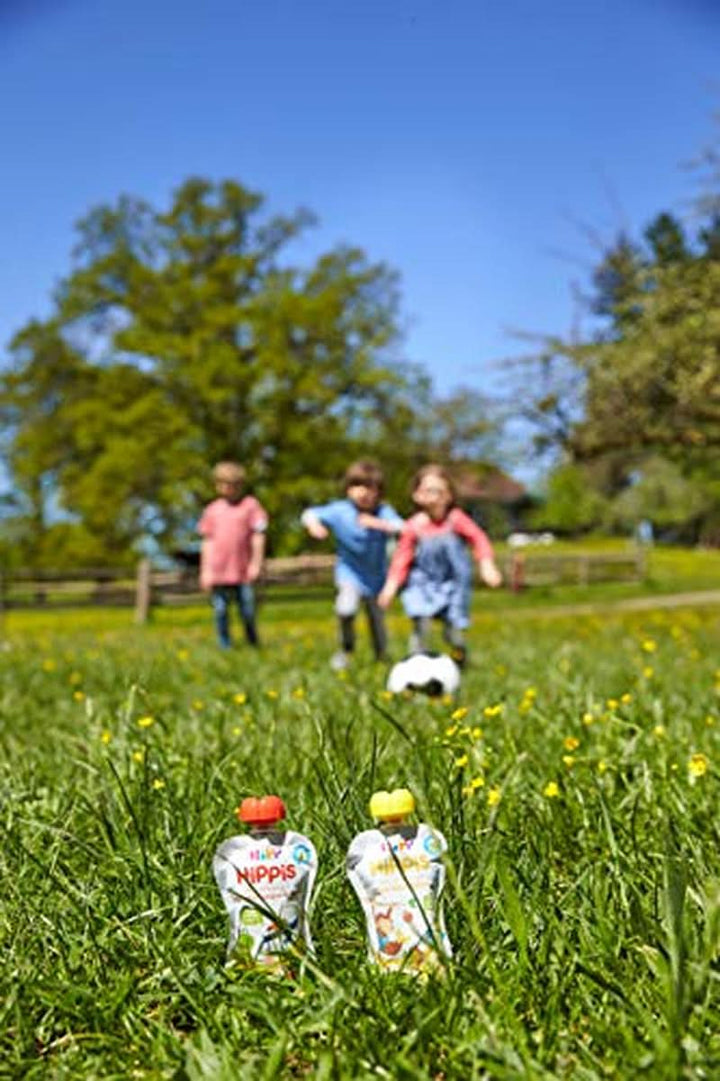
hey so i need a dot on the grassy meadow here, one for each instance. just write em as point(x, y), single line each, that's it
point(575, 778)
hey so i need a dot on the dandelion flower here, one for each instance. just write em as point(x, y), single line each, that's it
point(74, 678)
point(158, 784)
point(198, 704)
point(602, 766)
point(649, 645)
point(612, 703)
point(105, 737)
point(146, 722)
point(588, 718)
point(568, 760)
point(493, 711)
point(571, 743)
point(659, 731)
point(648, 671)
point(493, 796)
point(240, 698)
point(698, 765)
point(79, 696)
point(386, 695)
point(476, 733)
point(49, 665)
point(551, 790)
point(626, 698)
point(138, 756)
point(458, 714)
point(237, 730)
point(451, 730)
point(299, 692)
point(461, 761)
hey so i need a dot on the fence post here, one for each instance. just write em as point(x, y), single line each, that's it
point(143, 593)
point(517, 572)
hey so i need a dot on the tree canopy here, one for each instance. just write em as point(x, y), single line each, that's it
point(186, 335)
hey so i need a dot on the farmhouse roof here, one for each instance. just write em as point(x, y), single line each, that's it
point(488, 484)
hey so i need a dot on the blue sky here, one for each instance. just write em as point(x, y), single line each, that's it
point(460, 141)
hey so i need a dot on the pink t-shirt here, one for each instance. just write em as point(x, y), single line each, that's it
point(229, 528)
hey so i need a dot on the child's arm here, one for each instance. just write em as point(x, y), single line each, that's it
point(391, 526)
point(314, 526)
point(481, 547)
point(257, 555)
point(204, 528)
point(399, 567)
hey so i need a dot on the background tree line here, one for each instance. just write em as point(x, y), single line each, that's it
point(185, 335)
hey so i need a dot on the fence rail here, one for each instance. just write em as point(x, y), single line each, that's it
point(151, 586)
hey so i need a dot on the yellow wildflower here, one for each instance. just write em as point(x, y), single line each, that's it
point(299, 692)
point(709, 720)
point(493, 711)
point(568, 760)
point(659, 731)
point(105, 737)
point(493, 796)
point(74, 678)
point(49, 665)
point(588, 718)
point(237, 730)
point(458, 714)
point(146, 722)
point(476, 733)
point(571, 743)
point(648, 671)
point(451, 730)
point(649, 645)
point(698, 765)
point(612, 703)
point(183, 654)
point(198, 704)
point(551, 790)
point(158, 783)
point(386, 695)
point(79, 696)
point(626, 698)
point(461, 761)
point(240, 698)
point(602, 766)
point(138, 756)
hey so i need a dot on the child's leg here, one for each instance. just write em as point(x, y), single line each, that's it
point(246, 604)
point(455, 638)
point(376, 622)
point(347, 603)
point(221, 606)
point(419, 634)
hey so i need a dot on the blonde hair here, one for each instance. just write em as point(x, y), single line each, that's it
point(229, 473)
point(433, 469)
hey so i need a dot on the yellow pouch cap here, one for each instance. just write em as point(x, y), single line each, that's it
point(386, 806)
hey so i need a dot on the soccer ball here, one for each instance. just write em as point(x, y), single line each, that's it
point(431, 673)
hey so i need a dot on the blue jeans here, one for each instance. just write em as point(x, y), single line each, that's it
point(222, 598)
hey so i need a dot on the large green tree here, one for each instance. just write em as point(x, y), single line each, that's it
point(642, 385)
point(185, 335)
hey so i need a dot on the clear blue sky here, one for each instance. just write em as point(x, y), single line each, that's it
point(460, 140)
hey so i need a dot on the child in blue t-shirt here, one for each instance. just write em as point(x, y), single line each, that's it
point(360, 524)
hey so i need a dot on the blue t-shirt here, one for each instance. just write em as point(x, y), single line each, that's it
point(361, 553)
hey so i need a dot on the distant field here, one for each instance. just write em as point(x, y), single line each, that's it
point(576, 779)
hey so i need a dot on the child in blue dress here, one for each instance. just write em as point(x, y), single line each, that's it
point(361, 524)
point(431, 565)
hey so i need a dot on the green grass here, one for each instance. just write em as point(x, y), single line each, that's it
point(586, 925)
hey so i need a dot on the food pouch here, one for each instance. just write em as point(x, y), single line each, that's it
point(398, 874)
point(266, 878)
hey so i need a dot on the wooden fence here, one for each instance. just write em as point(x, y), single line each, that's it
point(151, 586)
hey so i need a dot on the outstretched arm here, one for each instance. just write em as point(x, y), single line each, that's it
point(314, 526)
point(399, 567)
point(481, 547)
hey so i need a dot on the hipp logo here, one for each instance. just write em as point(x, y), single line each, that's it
point(431, 845)
point(301, 853)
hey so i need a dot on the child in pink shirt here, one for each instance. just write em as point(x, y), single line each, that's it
point(233, 530)
point(431, 566)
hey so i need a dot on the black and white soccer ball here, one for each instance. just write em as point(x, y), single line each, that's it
point(431, 673)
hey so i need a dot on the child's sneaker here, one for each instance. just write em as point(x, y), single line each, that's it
point(339, 661)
